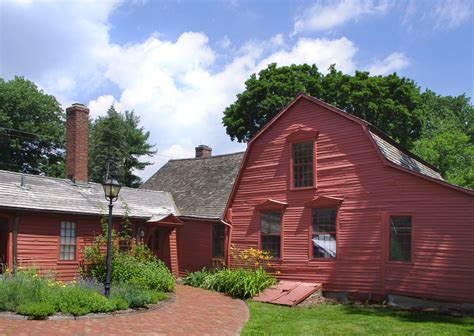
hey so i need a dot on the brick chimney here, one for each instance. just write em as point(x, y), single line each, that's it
point(77, 142)
point(203, 151)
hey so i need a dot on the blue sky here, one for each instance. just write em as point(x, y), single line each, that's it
point(178, 64)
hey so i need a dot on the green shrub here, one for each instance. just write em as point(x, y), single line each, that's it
point(119, 303)
point(140, 267)
point(36, 310)
point(196, 279)
point(25, 286)
point(137, 295)
point(78, 301)
point(29, 294)
point(238, 283)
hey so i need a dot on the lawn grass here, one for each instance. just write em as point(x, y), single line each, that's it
point(267, 319)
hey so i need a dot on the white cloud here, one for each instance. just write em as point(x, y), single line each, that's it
point(394, 62)
point(451, 14)
point(101, 105)
point(179, 88)
point(322, 52)
point(55, 43)
point(437, 15)
point(325, 15)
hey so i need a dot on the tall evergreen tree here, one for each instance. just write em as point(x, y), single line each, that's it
point(118, 136)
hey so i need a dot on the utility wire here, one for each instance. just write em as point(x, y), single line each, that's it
point(29, 135)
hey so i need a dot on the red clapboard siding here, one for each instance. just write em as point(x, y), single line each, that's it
point(38, 242)
point(349, 166)
point(194, 245)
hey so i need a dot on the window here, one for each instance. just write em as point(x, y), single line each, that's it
point(324, 233)
point(303, 164)
point(400, 238)
point(125, 237)
point(218, 238)
point(270, 225)
point(67, 247)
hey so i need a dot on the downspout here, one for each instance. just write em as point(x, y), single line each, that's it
point(228, 241)
point(16, 223)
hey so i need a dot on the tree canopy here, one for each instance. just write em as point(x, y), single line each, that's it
point(426, 123)
point(447, 138)
point(32, 126)
point(388, 102)
point(118, 136)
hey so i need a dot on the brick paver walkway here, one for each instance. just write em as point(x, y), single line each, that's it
point(194, 312)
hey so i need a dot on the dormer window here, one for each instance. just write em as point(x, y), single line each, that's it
point(303, 164)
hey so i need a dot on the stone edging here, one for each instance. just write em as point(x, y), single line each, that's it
point(119, 313)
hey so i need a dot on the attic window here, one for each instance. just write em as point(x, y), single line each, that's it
point(303, 164)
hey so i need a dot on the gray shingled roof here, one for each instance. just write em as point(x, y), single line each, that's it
point(401, 158)
point(61, 195)
point(200, 186)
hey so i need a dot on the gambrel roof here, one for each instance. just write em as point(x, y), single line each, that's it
point(401, 157)
point(390, 152)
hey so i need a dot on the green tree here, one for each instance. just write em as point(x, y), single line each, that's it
point(452, 152)
point(389, 102)
point(118, 136)
point(447, 139)
point(32, 126)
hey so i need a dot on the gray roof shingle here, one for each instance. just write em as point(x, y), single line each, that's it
point(200, 186)
point(61, 195)
point(403, 158)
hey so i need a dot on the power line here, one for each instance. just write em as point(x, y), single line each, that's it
point(30, 136)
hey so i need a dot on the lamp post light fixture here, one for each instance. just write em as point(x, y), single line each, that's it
point(111, 189)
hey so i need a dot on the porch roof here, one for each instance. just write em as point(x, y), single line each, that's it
point(46, 194)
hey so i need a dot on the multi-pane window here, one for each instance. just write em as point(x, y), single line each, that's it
point(67, 247)
point(270, 226)
point(218, 238)
point(400, 238)
point(125, 237)
point(324, 233)
point(303, 164)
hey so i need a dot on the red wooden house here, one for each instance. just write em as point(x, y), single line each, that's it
point(332, 198)
point(200, 187)
point(47, 222)
point(337, 202)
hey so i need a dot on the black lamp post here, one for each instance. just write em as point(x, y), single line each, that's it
point(111, 190)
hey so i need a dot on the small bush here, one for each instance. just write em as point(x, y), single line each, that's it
point(24, 286)
point(137, 296)
point(196, 279)
point(78, 301)
point(29, 294)
point(119, 303)
point(238, 283)
point(36, 310)
point(140, 267)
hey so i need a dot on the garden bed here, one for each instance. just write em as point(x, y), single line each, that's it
point(6, 315)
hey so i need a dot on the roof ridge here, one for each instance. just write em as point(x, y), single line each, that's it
point(206, 158)
point(69, 181)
